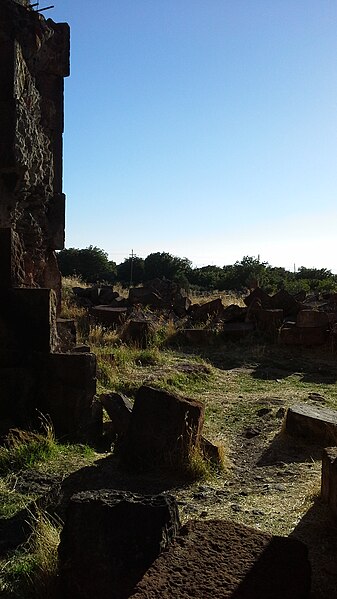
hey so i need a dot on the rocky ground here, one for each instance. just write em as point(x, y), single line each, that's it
point(271, 481)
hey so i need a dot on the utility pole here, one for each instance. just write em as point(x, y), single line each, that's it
point(132, 256)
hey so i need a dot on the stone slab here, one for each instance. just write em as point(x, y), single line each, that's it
point(224, 560)
point(312, 318)
point(308, 336)
point(316, 424)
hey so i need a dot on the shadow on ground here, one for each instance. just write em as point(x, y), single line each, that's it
point(319, 532)
point(271, 362)
point(54, 493)
point(286, 449)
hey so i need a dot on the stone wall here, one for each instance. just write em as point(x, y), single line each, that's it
point(36, 376)
point(34, 61)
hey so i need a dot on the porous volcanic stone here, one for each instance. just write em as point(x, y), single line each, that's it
point(109, 540)
point(221, 560)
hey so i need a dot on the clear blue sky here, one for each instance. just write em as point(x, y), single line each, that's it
point(204, 128)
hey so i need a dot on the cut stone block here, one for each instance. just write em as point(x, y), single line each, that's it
point(208, 310)
point(27, 324)
point(66, 331)
point(224, 560)
point(108, 316)
point(234, 331)
point(56, 220)
point(316, 424)
point(285, 301)
point(197, 336)
point(294, 335)
point(66, 389)
point(109, 540)
point(312, 318)
point(163, 429)
point(269, 321)
point(260, 295)
point(138, 332)
point(11, 259)
point(119, 410)
point(215, 452)
point(329, 478)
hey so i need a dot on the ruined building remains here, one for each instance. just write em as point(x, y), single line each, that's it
point(34, 59)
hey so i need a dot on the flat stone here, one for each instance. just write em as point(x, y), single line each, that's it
point(223, 560)
point(314, 423)
point(295, 335)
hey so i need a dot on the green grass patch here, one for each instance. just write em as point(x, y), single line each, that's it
point(24, 449)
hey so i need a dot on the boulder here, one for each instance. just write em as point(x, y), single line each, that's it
point(164, 428)
point(216, 559)
point(109, 539)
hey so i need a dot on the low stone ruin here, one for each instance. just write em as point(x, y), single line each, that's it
point(35, 374)
point(281, 317)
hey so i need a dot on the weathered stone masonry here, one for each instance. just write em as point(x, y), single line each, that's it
point(34, 59)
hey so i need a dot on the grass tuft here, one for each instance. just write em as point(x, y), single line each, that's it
point(24, 449)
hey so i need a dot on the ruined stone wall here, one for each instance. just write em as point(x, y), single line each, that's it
point(34, 61)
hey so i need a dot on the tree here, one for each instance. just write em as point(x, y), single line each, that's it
point(207, 277)
point(162, 264)
point(91, 264)
point(319, 274)
point(124, 271)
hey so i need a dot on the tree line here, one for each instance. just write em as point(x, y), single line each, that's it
point(92, 264)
